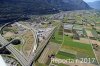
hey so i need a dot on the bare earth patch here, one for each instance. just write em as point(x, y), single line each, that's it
point(51, 48)
point(29, 40)
point(89, 33)
point(8, 34)
point(83, 40)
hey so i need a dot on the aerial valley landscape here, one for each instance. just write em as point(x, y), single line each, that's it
point(49, 33)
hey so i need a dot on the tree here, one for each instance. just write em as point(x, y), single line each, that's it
point(16, 42)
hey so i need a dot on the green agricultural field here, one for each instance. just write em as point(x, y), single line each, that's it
point(97, 19)
point(64, 55)
point(85, 49)
point(57, 38)
point(94, 33)
point(98, 25)
point(78, 26)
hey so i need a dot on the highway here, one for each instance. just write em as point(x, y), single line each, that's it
point(35, 37)
point(19, 56)
point(35, 55)
point(24, 61)
point(37, 50)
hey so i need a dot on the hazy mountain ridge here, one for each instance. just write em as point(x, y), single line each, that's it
point(95, 5)
point(14, 8)
point(43, 5)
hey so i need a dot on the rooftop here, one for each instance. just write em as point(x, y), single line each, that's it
point(68, 26)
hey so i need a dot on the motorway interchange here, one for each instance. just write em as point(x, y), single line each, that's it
point(22, 32)
point(74, 34)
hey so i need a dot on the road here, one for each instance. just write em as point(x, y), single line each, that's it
point(35, 55)
point(35, 37)
point(24, 61)
point(91, 46)
point(19, 56)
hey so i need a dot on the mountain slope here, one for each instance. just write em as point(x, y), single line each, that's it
point(95, 5)
point(12, 9)
point(41, 6)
